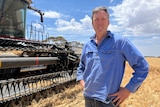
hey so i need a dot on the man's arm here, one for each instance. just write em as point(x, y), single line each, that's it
point(138, 64)
point(80, 70)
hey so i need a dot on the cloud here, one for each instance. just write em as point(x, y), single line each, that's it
point(48, 14)
point(63, 25)
point(37, 25)
point(155, 37)
point(137, 17)
point(86, 22)
point(74, 27)
point(52, 14)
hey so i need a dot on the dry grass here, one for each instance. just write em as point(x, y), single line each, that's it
point(148, 94)
point(71, 97)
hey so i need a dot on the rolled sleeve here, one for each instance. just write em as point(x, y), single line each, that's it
point(138, 64)
point(132, 87)
point(80, 71)
point(80, 77)
point(140, 74)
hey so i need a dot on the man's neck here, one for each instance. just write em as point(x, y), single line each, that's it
point(100, 37)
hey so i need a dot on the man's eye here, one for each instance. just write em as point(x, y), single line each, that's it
point(104, 18)
point(96, 19)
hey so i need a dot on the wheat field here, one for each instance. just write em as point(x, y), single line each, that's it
point(148, 95)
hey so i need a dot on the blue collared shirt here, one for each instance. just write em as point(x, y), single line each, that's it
point(102, 67)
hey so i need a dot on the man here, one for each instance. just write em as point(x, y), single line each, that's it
point(102, 65)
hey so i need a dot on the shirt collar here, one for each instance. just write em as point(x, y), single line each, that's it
point(109, 34)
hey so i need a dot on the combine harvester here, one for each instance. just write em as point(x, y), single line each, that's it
point(28, 65)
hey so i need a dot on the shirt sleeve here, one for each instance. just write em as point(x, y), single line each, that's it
point(138, 63)
point(81, 67)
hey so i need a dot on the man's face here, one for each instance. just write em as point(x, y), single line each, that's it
point(100, 22)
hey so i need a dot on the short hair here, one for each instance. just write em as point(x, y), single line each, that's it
point(97, 9)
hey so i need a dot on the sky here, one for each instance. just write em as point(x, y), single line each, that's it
point(137, 20)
